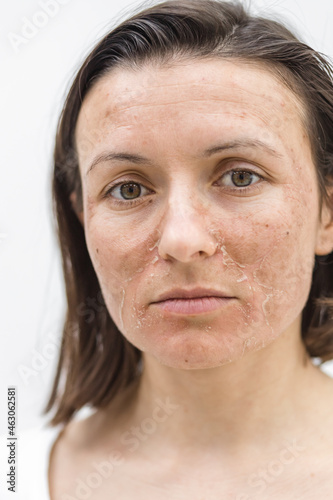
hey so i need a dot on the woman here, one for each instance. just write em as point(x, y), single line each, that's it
point(193, 195)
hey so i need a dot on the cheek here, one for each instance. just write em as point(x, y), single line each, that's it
point(120, 254)
point(264, 257)
point(273, 258)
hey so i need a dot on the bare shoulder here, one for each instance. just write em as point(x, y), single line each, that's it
point(85, 459)
point(79, 461)
point(63, 460)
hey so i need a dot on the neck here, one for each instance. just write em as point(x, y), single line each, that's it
point(260, 398)
point(266, 401)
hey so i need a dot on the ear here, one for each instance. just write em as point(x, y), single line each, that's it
point(324, 244)
point(73, 199)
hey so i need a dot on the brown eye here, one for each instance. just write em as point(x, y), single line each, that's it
point(241, 179)
point(130, 190)
point(127, 193)
point(234, 179)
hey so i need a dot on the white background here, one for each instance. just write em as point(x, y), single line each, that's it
point(34, 80)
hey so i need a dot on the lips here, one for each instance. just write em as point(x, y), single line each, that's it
point(194, 293)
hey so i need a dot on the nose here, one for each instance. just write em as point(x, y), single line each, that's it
point(184, 233)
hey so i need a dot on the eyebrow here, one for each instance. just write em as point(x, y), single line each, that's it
point(141, 160)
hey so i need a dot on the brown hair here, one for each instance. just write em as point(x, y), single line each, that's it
point(96, 361)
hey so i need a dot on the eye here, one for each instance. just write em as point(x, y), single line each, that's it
point(127, 193)
point(240, 179)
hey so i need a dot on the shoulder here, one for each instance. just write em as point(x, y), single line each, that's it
point(76, 454)
point(30, 453)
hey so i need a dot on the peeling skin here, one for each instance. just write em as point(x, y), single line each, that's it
point(190, 230)
point(237, 373)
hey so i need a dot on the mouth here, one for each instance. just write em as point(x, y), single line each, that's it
point(193, 306)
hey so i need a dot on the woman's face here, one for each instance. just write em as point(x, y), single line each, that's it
point(221, 193)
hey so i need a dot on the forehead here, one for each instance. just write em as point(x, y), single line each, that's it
point(226, 94)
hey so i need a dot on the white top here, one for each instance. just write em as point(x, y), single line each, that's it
point(33, 448)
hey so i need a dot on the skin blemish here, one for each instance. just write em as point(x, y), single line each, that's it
point(193, 231)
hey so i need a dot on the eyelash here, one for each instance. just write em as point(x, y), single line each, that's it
point(130, 203)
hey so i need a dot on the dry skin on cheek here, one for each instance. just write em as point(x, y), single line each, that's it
point(263, 256)
point(257, 257)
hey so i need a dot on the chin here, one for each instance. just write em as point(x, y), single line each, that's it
point(200, 344)
point(203, 357)
point(188, 364)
